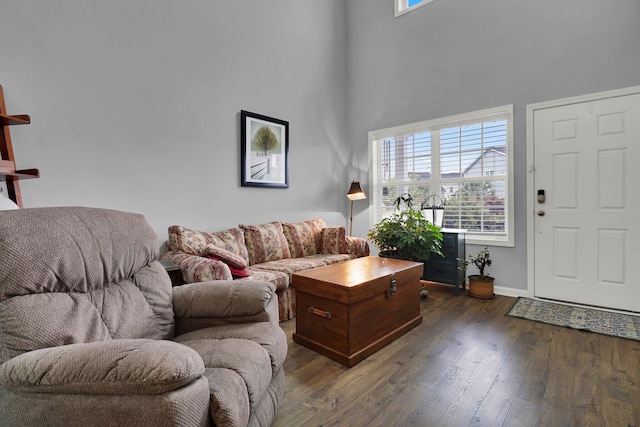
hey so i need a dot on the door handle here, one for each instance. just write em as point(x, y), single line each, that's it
point(541, 213)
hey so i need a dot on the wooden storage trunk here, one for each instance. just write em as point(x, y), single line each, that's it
point(348, 311)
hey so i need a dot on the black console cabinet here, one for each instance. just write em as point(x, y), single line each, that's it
point(445, 270)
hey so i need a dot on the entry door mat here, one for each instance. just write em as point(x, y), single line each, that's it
point(586, 319)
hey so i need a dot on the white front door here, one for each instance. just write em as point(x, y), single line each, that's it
point(587, 228)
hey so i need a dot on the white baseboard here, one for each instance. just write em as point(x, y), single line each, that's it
point(510, 292)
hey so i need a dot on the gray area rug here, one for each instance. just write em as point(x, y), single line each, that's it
point(587, 319)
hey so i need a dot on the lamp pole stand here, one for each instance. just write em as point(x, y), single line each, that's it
point(351, 220)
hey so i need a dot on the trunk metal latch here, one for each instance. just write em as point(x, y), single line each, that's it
point(393, 285)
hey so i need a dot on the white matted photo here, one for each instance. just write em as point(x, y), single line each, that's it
point(265, 148)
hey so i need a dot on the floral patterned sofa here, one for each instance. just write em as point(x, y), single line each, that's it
point(270, 252)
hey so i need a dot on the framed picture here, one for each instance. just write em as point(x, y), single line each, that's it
point(265, 151)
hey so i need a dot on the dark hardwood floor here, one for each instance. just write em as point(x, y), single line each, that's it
point(468, 364)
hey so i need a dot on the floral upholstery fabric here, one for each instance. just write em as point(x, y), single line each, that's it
point(304, 237)
point(273, 252)
point(357, 246)
point(291, 265)
point(278, 278)
point(227, 257)
point(334, 241)
point(286, 294)
point(199, 269)
point(195, 242)
point(265, 242)
point(329, 259)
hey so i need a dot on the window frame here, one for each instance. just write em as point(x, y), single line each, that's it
point(504, 112)
point(402, 6)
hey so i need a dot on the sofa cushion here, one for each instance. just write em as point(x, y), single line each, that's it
point(304, 237)
point(253, 351)
point(246, 358)
point(237, 265)
point(229, 258)
point(265, 242)
point(119, 366)
point(291, 265)
point(269, 337)
point(278, 278)
point(195, 242)
point(357, 246)
point(329, 259)
point(334, 241)
point(230, 404)
point(78, 275)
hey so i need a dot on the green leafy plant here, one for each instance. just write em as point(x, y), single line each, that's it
point(481, 260)
point(407, 233)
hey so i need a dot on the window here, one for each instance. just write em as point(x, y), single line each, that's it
point(404, 6)
point(466, 160)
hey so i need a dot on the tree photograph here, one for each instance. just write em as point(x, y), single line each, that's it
point(265, 146)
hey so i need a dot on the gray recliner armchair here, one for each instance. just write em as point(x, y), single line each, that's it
point(93, 334)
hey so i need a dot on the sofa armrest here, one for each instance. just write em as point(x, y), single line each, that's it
point(199, 269)
point(199, 305)
point(357, 246)
point(116, 367)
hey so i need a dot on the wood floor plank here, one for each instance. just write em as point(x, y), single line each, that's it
point(423, 407)
point(468, 364)
point(587, 391)
point(533, 386)
point(618, 382)
point(522, 413)
point(558, 391)
point(616, 406)
point(496, 403)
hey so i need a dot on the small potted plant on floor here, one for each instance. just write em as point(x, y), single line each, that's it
point(480, 285)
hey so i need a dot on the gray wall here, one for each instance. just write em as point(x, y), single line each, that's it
point(457, 56)
point(135, 105)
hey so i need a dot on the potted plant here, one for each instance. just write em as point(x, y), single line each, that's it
point(406, 234)
point(480, 285)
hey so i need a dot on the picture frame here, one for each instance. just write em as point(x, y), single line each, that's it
point(264, 145)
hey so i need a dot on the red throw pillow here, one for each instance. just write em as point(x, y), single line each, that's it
point(235, 272)
point(229, 258)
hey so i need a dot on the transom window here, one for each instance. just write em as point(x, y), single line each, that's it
point(465, 160)
point(404, 6)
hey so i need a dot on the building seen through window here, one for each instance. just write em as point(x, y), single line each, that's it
point(465, 161)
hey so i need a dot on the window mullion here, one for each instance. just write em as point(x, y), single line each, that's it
point(436, 177)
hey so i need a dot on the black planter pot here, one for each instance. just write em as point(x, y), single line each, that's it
point(390, 254)
point(394, 254)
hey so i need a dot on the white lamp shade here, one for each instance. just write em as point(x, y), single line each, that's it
point(355, 192)
point(6, 203)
